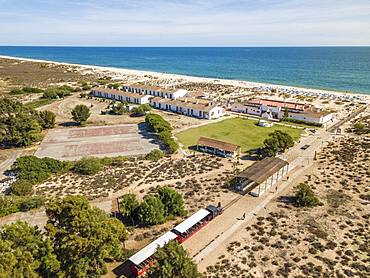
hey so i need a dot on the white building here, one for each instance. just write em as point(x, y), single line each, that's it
point(120, 95)
point(189, 107)
point(275, 109)
point(155, 91)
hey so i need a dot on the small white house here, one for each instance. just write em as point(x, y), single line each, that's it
point(155, 91)
point(120, 95)
point(189, 107)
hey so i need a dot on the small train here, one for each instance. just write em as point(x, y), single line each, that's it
point(143, 259)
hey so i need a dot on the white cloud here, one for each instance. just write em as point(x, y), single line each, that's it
point(176, 22)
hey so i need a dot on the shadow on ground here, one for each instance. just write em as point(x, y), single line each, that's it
point(123, 270)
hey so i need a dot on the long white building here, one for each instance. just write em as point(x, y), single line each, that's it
point(155, 91)
point(189, 107)
point(120, 95)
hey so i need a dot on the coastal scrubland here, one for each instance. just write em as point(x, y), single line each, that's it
point(240, 131)
point(329, 240)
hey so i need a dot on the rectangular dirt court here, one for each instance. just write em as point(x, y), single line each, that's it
point(98, 141)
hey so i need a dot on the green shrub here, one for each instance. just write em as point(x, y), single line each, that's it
point(13, 204)
point(157, 123)
point(154, 155)
point(31, 203)
point(58, 92)
point(305, 197)
point(118, 161)
point(88, 166)
point(26, 90)
point(21, 188)
point(163, 130)
point(37, 170)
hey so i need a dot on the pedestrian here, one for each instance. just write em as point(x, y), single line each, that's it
point(244, 216)
point(276, 188)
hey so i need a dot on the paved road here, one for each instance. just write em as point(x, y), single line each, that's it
point(5, 165)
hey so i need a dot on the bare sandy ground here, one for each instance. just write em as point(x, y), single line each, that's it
point(327, 241)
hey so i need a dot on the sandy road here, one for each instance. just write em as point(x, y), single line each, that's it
point(203, 245)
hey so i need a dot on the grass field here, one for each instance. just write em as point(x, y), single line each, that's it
point(243, 132)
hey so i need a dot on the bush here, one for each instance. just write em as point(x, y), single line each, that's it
point(26, 90)
point(118, 161)
point(163, 130)
point(36, 170)
point(305, 197)
point(58, 92)
point(31, 203)
point(88, 166)
point(157, 123)
point(13, 204)
point(154, 155)
point(21, 188)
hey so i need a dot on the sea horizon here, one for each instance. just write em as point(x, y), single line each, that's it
point(333, 68)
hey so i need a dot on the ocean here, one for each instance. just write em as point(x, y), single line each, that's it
point(344, 69)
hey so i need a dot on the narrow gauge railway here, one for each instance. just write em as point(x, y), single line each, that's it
point(144, 259)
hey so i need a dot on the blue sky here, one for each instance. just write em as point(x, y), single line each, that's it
point(185, 23)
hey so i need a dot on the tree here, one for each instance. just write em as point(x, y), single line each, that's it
point(19, 124)
point(47, 119)
point(119, 109)
point(26, 253)
point(128, 206)
point(172, 201)
point(141, 110)
point(151, 211)
point(305, 197)
point(278, 141)
point(80, 113)
point(286, 114)
point(83, 236)
point(173, 262)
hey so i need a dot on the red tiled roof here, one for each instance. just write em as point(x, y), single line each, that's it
point(279, 103)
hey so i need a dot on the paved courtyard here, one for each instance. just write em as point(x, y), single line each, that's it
point(98, 141)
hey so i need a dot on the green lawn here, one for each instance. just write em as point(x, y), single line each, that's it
point(243, 132)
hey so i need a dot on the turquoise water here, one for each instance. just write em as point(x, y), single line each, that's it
point(335, 68)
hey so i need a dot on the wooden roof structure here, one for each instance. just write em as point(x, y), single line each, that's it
point(217, 144)
point(263, 169)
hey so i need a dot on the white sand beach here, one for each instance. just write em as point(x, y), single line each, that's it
point(176, 79)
